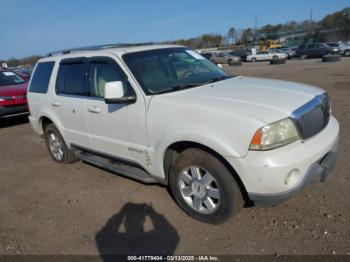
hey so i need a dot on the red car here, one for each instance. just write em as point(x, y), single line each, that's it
point(13, 94)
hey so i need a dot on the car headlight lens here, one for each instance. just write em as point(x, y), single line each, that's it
point(6, 98)
point(274, 135)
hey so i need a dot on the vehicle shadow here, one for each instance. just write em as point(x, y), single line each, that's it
point(125, 234)
point(13, 121)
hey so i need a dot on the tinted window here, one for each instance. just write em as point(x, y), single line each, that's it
point(311, 46)
point(103, 71)
point(302, 47)
point(206, 55)
point(41, 77)
point(10, 78)
point(71, 78)
point(333, 44)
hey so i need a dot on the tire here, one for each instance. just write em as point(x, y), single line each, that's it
point(277, 61)
point(331, 58)
point(275, 57)
point(59, 152)
point(230, 62)
point(347, 53)
point(253, 60)
point(304, 56)
point(226, 199)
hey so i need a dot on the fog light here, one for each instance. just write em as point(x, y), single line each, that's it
point(292, 177)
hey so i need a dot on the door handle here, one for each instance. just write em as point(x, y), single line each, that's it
point(94, 109)
point(55, 103)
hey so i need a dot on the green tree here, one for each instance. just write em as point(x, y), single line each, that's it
point(231, 35)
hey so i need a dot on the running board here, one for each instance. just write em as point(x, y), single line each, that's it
point(116, 167)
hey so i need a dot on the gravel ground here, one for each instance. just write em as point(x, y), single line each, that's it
point(48, 208)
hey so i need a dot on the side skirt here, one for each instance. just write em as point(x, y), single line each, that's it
point(115, 165)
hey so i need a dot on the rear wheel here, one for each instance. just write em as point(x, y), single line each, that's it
point(304, 56)
point(57, 147)
point(275, 57)
point(347, 53)
point(203, 187)
point(253, 60)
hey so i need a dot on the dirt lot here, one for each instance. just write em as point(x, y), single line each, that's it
point(48, 208)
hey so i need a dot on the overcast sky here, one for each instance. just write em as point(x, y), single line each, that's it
point(30, 27)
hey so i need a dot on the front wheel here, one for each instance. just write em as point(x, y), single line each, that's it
point(203, 187)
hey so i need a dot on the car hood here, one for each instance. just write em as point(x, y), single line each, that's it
point(263, 99)
point(13, 90)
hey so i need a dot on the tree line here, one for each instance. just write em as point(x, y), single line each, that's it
point(29, 61)
point(338, 22)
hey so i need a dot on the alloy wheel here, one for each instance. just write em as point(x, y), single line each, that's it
point(199, 189)
point(56, 146)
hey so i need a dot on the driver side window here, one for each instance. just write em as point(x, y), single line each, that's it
point(101, 71)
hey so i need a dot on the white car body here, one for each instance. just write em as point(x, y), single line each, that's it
point(222, 116)
point(265, 56)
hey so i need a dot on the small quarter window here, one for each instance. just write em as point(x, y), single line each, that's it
point(41, 77)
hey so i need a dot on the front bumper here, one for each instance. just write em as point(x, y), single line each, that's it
point(270, 177)
point(236, 63)
point(7, 111)
point(318, 171)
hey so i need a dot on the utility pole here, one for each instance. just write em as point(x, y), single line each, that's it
point(310, 23)
point(311, 13)
point(256, 29)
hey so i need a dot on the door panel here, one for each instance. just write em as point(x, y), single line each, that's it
point(68, 100)
point(70, 111)
point(115, 129)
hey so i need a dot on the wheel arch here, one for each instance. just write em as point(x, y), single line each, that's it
point(46, 119)
point(44, 122)
point(174, 149)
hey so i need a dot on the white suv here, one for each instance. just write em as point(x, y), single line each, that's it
point(165, 114)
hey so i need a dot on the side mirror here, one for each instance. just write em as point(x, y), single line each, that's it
point(114, 94)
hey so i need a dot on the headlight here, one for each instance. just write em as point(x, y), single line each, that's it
point(274, 135)
point(5, 98)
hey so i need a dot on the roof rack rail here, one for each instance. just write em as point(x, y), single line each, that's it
point(96, 47)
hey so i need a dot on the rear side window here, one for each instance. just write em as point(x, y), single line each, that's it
point(41, 78)
point(71, 78)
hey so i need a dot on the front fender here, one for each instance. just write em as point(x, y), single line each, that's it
point(214, 143)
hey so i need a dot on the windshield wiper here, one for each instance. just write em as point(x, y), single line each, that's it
point(217, 79)
point(178, 87)
point(186, 86)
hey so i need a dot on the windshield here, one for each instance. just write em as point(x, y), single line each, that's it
point(163, 69)
point(10, 78)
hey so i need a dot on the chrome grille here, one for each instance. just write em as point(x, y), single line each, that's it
point(312, 117)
